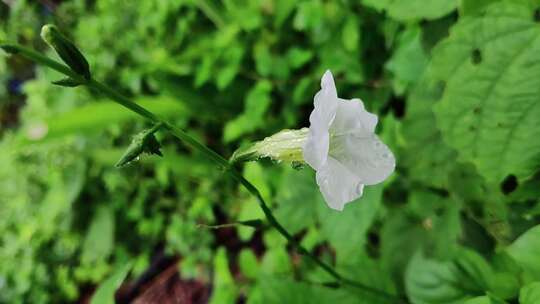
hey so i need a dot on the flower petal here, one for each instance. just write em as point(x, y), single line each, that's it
point(364, 155)
point(351, 115)
point(326, 104)
point(337, 184)
point(316, 148)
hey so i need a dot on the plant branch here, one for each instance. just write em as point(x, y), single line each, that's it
point(211, 154)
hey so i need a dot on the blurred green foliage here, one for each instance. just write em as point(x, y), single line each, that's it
point(456, 85)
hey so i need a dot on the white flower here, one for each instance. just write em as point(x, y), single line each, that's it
point(342, 147)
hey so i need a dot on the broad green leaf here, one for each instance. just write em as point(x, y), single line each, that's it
point(224, 289)
point(428, 158)
point(106, 290)
point(530, 294)
point(297, 206)
point(410, 10)
point(490, 110)
point(278, 290)
point(99, 240)
point(526, 251)
point(346, 230)
point(370, 272)
point(408, 60)
point(455, 281)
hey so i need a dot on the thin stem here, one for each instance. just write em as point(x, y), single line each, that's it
point(211, 154)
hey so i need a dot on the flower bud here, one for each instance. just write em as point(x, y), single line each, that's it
point(67, 51)
point(144, 142)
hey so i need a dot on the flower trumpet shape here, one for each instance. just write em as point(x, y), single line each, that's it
point(342, 147)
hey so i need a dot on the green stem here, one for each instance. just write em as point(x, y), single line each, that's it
point(211, 154)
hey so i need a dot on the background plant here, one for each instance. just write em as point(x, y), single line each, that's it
point(459, 109)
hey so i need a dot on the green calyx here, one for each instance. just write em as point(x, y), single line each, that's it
point(66, 49)
point(143, 142)
point(284, 146)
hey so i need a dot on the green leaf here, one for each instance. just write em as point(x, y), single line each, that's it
point(297, 57)
point(526, 250)
point(530, 294)
point(94, 117)
point(297, 206)
point(347, 230)
point(351, 34)
point(474, 7)
point(490, 110)
point(249, 266)
point(410, 10)
point(479, 300)
point(99, 240)
point(278, 290)
point(408, 60)
point(106, 290)
point(256, 104)
point(484, 300)
point(224, 290)
point(431, 281)
point(428, 158)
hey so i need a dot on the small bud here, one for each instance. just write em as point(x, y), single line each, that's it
point(67, 82)
point(144, 142)
point(284, 146)
point(66, 50)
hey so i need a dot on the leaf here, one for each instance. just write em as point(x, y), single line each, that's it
point(490, 110)
point(249, 266)
point(99, 240)
point(526, 251)
point(530, 294)
point(483, 300)
point(106, 290)
point(224, 290)
point(346, 230)
point(94, 117)
point(410, 10)
point(351, 34)
point(431, 281)
point(256, 104)
point(297, 206)
point(278, 290)
point(297, 57)
point(428, 158)
point(408, 60)
point(474, 7)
